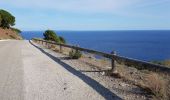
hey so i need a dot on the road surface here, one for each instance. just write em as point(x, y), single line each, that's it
point(26, 73)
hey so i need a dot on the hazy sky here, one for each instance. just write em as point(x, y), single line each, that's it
point(89, 14)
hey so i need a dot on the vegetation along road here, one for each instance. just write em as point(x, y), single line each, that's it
point(28, 74)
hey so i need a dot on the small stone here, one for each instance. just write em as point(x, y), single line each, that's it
point(131, 73)
point(103, 73)
point(65, 88)
point(122, 84)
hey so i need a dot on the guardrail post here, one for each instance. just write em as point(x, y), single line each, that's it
point(61, 49)
point(77, 49)
point(48, 45)
point(113, 62)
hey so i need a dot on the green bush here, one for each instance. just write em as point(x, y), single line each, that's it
point(16, 30)
point(157, 62)
point(75, 54)
point(6, 19)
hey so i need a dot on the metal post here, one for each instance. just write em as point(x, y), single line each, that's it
point(77, 49)
point(113, 62)
point(48, 45)
point(60, 49)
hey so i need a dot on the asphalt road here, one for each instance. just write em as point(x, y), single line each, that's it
point(28, 74)
point(11, 71)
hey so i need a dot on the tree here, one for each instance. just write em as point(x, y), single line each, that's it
point(51, 35)
point(62, 40)
point(7, 19)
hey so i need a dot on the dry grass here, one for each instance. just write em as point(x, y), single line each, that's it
point(154, 84)
point(157, 85)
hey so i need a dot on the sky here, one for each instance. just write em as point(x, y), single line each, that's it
point(89, 14)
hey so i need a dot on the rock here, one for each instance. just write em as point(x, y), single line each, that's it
point(103, 73)
point(123, 84)
point(65, 88)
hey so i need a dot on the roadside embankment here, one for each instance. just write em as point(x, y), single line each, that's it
point(9, 34)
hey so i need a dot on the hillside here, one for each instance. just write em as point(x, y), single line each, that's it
point(9, 34)
point(7, 21)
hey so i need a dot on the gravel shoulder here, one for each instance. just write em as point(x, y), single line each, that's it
point(123, 89)
point(27, 73)
point(46, 78)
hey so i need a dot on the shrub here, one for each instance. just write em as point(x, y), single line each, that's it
point(156, 85)
point(157, 62)
point(75, 54)
point(16, 30)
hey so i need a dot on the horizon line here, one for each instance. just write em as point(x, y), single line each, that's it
point(108, 30)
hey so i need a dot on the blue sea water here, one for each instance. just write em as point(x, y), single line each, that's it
point(142, 45)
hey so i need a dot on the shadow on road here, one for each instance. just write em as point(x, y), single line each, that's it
point(106, 93)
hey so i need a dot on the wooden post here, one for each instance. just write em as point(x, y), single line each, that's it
point(113, 62)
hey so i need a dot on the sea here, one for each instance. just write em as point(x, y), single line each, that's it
point(147, 45)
